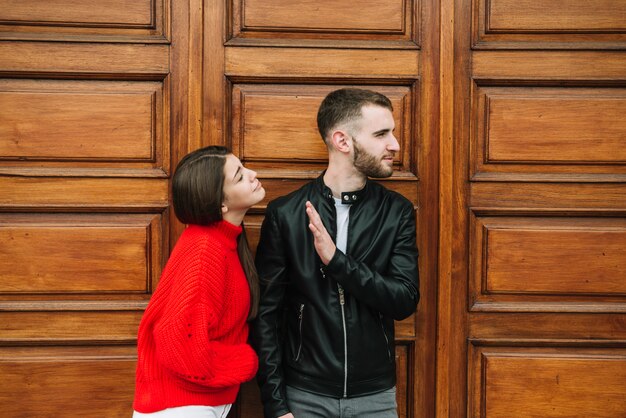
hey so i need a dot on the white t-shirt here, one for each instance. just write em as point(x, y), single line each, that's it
point(343, 217)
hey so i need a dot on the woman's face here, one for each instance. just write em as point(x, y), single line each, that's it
point(242, 189)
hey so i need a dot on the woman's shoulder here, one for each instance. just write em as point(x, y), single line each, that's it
point(198, 244)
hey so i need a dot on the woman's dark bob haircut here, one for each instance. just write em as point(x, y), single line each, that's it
point(197, 186)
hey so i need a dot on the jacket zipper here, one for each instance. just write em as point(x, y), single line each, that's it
point(342, 302)
point(300, 314)
point(382, 326)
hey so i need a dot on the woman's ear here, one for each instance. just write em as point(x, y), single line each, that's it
point(224, 209)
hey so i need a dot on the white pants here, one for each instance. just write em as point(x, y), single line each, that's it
point(190, 411)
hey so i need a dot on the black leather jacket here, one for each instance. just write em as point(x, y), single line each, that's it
point(329, 329)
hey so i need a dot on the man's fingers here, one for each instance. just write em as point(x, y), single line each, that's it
point(314, 218)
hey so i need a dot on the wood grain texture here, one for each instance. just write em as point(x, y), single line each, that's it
point(370, 15)
point(561, 385)
point(79, 193)
point(541, 25)
point(266, 117)
point(555, 16)
point(534, 66)
point(547, 132)
point(530, 205)
point(73, 12)
point(108, 122)
point(56, 382)
point(84, 173)
point(548, 328)
point(70, 127)
point(320, 63)
point(550, 256)
point(145, 21)
point(548, 382)
point(568, 261)
point(144, 61)
point(561, 129)
point(57, 254)
point(385, 24)
point(69, 327)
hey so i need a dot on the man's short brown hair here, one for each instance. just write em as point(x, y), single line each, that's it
point(344, 105)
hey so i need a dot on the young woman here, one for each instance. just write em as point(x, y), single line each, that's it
point(192, 343)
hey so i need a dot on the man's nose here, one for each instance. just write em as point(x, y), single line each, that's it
point(394, 145)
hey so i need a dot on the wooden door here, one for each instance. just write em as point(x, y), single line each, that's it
point(532, 292)
point(510, 118)
point(280, 60)
point(91, 115)
point(100, 99)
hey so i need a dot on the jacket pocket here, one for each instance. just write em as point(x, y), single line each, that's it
point(299, 346)
point(382, 327)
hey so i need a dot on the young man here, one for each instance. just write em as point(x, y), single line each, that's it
point(337, 261)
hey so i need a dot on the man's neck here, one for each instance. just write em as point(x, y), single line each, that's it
point(343, 179)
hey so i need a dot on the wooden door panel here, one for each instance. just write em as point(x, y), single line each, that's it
point(267, 117)
point(593, 327)
point(555, 16)
point(533, 197)
point(85, 148)
point(561, 129)
point(530, 382)
point(67, 381)
point(301, 14)
point(548, 24)
point(526, 261)
point(274, 21)
point(404, 378)
point(535, 270)
point(77, 12)
point(56, 132)
point(117, 60)
point(37, 322)
point(73, 120)
point(573, 130)
point(80, 20)
point(555, 262)
point(321, 64)
point(548, 67)
point(79, 254)
point(82, 194)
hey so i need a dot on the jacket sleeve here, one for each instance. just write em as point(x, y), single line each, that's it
point(184, 340)
point(394, 292)
point(266, 335)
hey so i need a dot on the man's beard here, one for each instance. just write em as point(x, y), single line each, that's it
point(368, 164)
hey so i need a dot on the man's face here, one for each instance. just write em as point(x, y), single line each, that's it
point(374, 143)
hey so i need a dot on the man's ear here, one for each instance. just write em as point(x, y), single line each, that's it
point(341, 141)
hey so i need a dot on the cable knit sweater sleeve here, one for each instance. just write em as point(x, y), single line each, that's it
point(185, 339)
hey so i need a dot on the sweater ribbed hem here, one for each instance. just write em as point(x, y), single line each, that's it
point(153, 396)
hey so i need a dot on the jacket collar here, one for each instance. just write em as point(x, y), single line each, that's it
point(347, 198)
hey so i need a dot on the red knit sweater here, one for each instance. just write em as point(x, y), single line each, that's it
point(191, 345)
